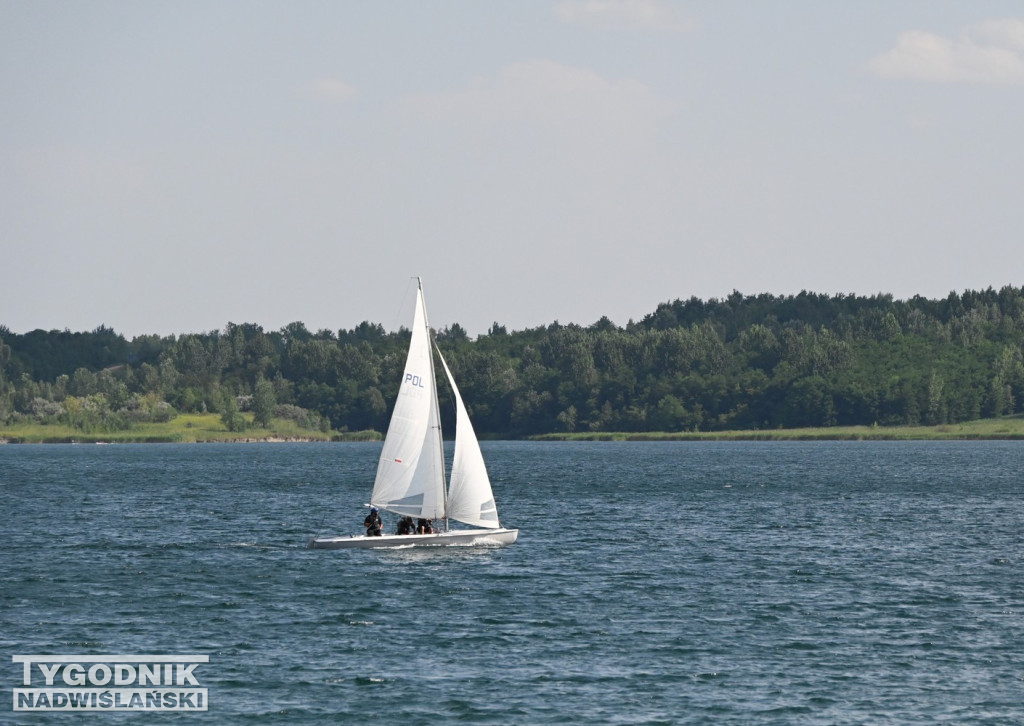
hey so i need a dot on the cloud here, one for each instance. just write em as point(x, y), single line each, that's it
point(989, 52)
point(327, 89)
point(549, 94)
point(622, 15)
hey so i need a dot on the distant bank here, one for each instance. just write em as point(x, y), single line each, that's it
point(1009, 427)
point(184, 429)
point(208, 428)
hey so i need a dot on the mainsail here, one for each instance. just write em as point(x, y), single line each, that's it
point(470, 499)
point(410, 473)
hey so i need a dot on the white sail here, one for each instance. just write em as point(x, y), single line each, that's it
point(470, 499)
point(410, 473)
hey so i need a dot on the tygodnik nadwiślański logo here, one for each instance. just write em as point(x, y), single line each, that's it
point(111, 683)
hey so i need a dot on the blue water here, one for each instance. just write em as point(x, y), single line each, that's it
point(653, 583)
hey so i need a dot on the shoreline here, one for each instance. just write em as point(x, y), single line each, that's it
point(779, 437)
point(206, 429)
point(93, 441)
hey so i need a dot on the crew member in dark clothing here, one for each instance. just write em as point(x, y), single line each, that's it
point(372, 523)
point(423, 526)
point(405, 526)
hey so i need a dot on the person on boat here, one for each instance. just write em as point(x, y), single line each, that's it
point(405, 525)
point(373, 523)
point(424, 526)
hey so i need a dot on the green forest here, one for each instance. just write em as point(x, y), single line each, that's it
point(742, 362)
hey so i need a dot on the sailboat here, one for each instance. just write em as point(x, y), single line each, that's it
point(410, 479)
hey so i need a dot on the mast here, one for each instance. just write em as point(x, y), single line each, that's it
point(437, 403)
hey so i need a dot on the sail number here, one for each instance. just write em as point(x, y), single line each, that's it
point(414, 380)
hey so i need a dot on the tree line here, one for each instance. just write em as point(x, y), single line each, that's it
point(740, 362)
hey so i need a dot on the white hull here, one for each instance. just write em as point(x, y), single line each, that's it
point(456, 538)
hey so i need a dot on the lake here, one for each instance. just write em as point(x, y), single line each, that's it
point(652, 583)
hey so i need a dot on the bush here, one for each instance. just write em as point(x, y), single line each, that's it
point(46, 411)
point(303, 418)
point(231, 417)
point(147, 409)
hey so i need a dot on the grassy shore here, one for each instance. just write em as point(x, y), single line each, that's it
point(1010, 427)
point(186, 428)
point(201, 428)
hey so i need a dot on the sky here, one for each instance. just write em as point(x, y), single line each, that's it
point(172, 167)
